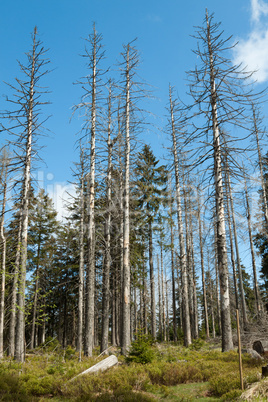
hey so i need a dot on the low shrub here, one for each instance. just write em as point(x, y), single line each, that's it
point(142, 350)
point(10, 389)
point(171, 374)
point(197, 344)
point(223, 384)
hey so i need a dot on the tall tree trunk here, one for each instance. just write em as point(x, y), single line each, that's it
point(151, 265)
point(32, 344)
point(174, 320)
point(20, 328)
point(126, 261)
point(227, 341)
point(79, 346)
point(3, 262)
point(13, 303)
point(185, 298)
point(163, 294)
point(90, 270)
point(256, 288)
point(264, 193)
point(231, 246)
point(241, 288)
point(192, 254)
point(202, 266)
point(107, 259)
point(144, 293)
point(160, 315)
point(217, 278)
point(188, 259)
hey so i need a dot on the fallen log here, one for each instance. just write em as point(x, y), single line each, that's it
point(101, 366)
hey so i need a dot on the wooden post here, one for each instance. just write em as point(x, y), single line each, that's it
point(239, 350)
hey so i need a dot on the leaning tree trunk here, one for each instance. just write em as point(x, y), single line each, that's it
point(185, 299)
point(227, 341)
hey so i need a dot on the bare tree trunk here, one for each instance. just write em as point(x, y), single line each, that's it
point(167, 308)
point(185, 298)
point(144, 298)
point(264, 193)
point(241, 288)
point(227, 341)
point(163, 294)
point(202, 266)
point(231, 246)
point(20, 328)
point(90, 270)
point(160, 315)
point(32, 344)
point(174, 320)
point(79, 346)
point(217, 279)
point(256, 288)
point(126, 262)
point(192, 253)
point(188, 260)
point(153, 307)
point(107, 259)
point(13, 304)
point(3, 265)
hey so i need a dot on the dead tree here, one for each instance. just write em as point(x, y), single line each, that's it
point(26, 124)
point(89, 106)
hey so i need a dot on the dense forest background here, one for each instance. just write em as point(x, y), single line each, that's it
point(148, 246)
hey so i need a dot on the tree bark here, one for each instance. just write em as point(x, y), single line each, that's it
point(185, 299)
point(227, 341)
point(126, 262)
point(90, 269)
point(256, 288)
point(3, 262)
point(202, 265)
point(107, 259)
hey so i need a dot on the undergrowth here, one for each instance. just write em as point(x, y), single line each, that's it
point(149, 370)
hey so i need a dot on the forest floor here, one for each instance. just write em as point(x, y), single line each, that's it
point(161, 371)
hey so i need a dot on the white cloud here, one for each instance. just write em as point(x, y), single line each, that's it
point(253, 51)
point(258, 8)
point(62, 194)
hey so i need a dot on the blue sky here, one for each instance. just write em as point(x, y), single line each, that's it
point(163, 29)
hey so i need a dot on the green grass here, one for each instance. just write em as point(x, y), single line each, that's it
point(171, 373)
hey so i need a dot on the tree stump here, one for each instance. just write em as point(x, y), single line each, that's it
point(264, 371)
point(261, 347)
